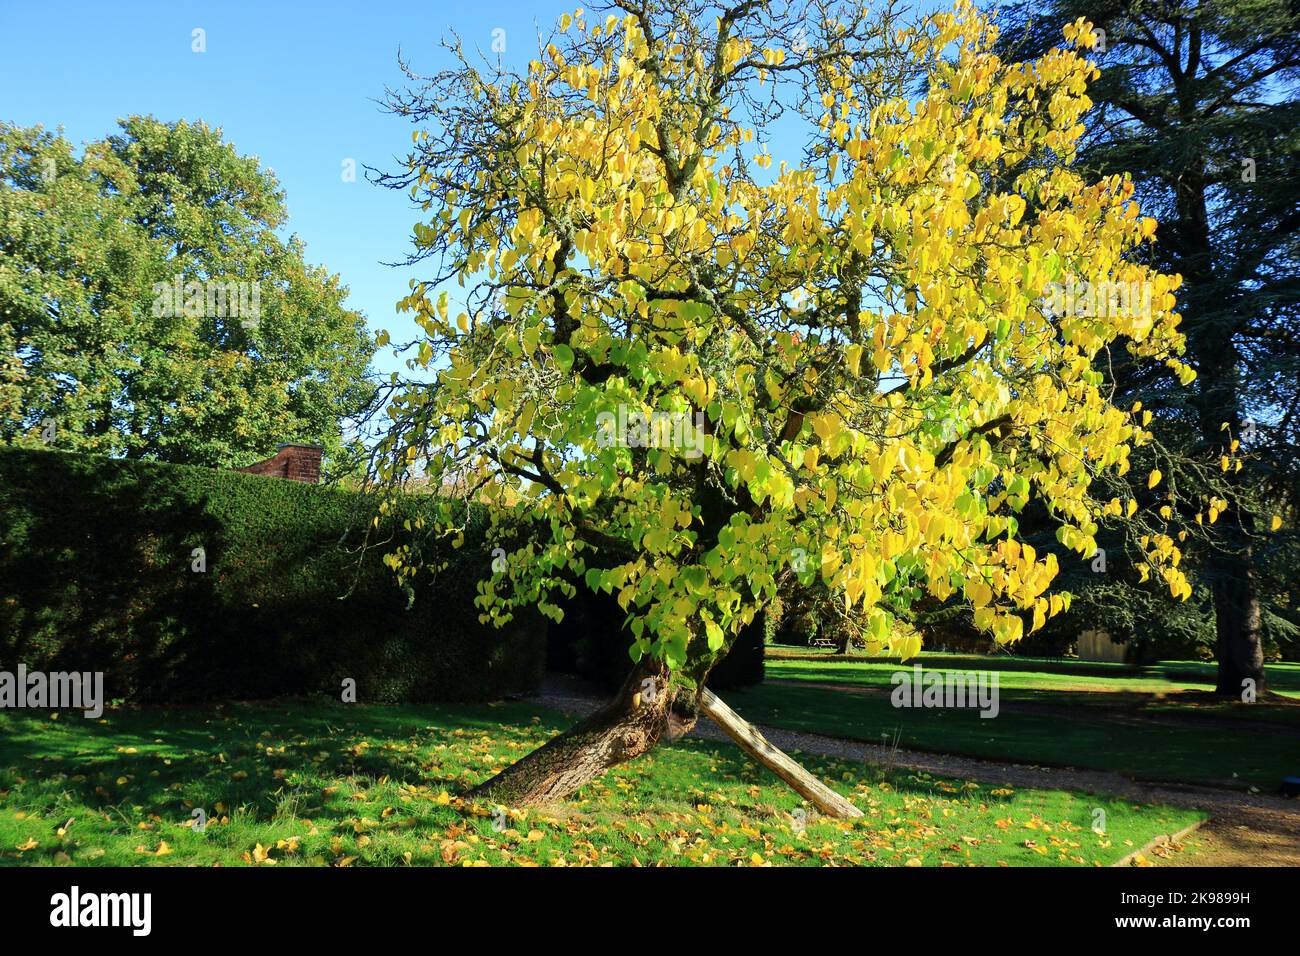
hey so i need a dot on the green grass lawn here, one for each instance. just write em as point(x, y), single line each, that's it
point(1025, 673)
point(871, 673)
point(1283, 678)
point(333, 785)
point(1082, 736)
point(1157, 695)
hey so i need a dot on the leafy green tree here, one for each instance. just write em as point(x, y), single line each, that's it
point(149, 309)
point(11, 378)
point(1197, 99)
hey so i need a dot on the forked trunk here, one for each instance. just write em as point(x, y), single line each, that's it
point(642, 714)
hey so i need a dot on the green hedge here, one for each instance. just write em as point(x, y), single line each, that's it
point(95, 574)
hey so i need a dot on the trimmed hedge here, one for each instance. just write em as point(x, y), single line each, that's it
point(96, 574)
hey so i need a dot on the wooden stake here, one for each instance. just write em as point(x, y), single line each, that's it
point(748, 739)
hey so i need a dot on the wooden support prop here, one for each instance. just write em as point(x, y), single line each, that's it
point(748, 739)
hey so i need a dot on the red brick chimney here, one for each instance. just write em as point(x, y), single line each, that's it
point(297, 462)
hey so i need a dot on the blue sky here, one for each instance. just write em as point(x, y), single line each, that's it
point(292, 83)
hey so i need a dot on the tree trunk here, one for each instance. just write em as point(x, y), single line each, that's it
point(643, 713)
point(1239, 647)
point(628, 726)
point(1239, 644)
point(747, 738)
point(1238, 640)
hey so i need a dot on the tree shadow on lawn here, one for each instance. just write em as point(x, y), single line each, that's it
point(249, 756)
point(1183, 752)
point(239, 754)
point(276, 770)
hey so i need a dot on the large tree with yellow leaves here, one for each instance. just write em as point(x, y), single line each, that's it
point(682, 369)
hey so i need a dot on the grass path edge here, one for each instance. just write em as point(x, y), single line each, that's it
point(1161, 840)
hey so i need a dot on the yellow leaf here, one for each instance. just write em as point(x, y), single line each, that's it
point(1154, 478)
point(853, 355)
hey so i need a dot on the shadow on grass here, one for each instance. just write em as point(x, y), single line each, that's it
point(239, 755)
point(1215, 755)
point(327, 784)
point(246, 755)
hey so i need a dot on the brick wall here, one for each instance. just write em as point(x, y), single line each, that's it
point(293, 461)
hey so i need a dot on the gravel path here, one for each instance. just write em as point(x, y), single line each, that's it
point(1247, 829)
